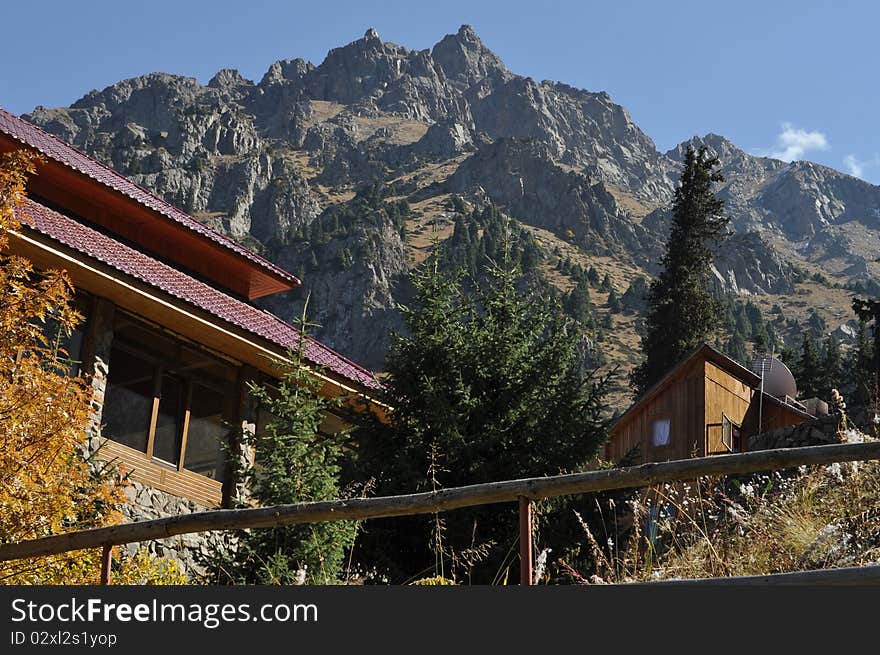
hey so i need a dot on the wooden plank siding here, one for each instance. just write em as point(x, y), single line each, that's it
point(774, 414)
point(681, 401)
point(164, 477)
point(727, 396)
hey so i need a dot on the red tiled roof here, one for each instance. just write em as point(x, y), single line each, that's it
point(61, 151)
point(127, 260)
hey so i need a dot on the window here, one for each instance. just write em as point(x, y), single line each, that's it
point(207, 431)
point(660, 432)
point(68, 343)
point(169, 429)
point(167, 399)
point(731, 435)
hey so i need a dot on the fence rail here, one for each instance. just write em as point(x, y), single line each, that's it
point(521, 491)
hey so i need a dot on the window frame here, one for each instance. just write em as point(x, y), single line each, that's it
point(189, 377)
point(727, 421)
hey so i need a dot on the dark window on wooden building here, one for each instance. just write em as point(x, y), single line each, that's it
point(731, 435)
point(168, 399)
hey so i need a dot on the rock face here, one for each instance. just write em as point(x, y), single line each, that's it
point(271, 162)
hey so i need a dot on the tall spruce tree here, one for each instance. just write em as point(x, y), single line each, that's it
point(682, 313)
point(832, 368)
point(809, 378)
point(577, 302)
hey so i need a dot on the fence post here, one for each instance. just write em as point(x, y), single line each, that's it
point(525, 541)
point(106, 561)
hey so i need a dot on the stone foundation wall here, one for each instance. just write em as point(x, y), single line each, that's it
point(819, 432)
point(188, 549)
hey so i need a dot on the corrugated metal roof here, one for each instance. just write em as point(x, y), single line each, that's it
point(61, 151)
point(125, 259)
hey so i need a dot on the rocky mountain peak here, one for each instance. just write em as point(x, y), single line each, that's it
point(275, 165)
point(465, 60)
point(286, 70)
point(227, 78)
point(716, 144)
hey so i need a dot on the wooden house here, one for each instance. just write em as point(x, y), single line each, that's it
point(171, 336)
point(707, 405)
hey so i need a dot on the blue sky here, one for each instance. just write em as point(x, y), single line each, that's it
point(792, 79)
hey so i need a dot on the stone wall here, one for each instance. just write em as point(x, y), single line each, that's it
point(819, 432)
point(188, 549)
point(143, 502)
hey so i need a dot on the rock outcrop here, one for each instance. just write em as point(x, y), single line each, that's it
point(263, 161)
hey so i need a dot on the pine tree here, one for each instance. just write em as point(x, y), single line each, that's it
point(484, 388)
point(869, 310)
point(613, 302)
point(735, 348)
point(577, 302)
point(832, 367)
point(810, 368)
point(861, 366)
point(294, 462)
point(682, 311)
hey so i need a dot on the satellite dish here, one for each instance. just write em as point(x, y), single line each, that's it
point(778, 379)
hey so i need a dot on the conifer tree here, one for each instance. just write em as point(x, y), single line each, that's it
point(809, 377)
point(485, 387)
point(577, 302)
point(861, 366)
point(294, 462)
point(682, 312)
point(869, 310)
point(613, 302)
point(832, 367)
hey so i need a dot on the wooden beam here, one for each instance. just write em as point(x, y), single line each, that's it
point(525, 541)
point(163, 309)
point(850, 575)
point(444, 500)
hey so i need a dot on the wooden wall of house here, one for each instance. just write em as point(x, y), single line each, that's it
point(773, 416)
point(182, 483)
point(725, 396)
point(681, 401)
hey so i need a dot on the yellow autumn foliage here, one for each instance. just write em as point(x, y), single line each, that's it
point(46, 485)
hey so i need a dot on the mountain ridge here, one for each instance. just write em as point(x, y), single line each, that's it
point(446, 128)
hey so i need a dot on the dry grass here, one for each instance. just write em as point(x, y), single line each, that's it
point(812, 518)
point(302, 161)
point(402, 131)
point(432, 221)
point(636, 208)
point(323, 111)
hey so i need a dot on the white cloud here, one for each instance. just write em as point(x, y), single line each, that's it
point(856, 167)
point(793, 143)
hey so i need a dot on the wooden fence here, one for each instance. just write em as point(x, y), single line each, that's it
point(521, 491)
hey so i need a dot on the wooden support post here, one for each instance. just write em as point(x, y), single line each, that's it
point(525, 541)
point(106, 562)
